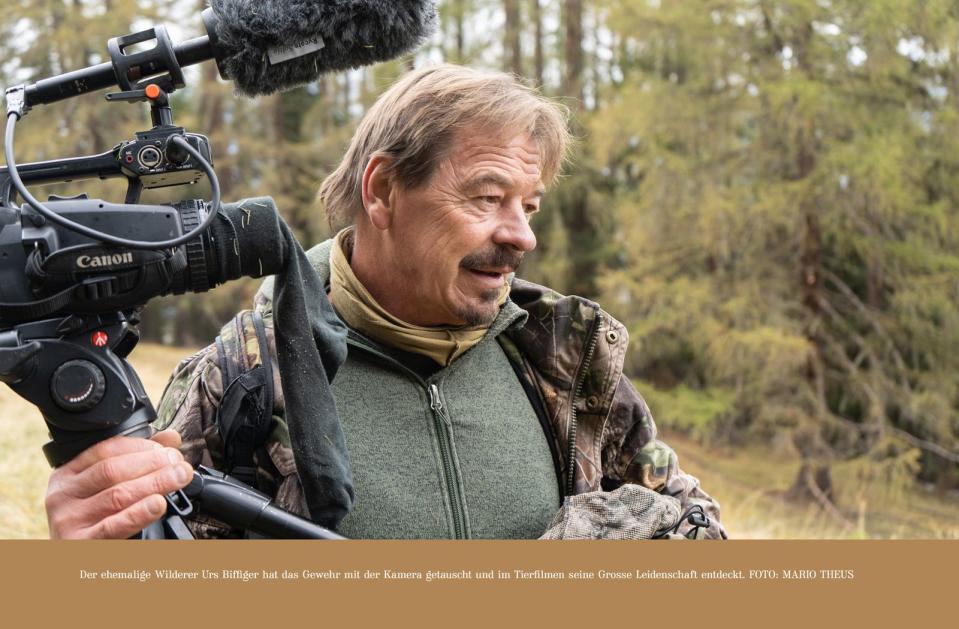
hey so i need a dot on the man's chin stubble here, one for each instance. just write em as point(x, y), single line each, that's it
point(481, 315)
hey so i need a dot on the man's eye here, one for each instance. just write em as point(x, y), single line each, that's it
point(492, 200)
point(531, 209)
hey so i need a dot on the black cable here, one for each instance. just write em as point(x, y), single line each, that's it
point(695, 516)
point(13, 117)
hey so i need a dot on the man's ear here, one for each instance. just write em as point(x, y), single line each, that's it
point(377, 191)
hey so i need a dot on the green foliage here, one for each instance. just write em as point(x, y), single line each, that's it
point(784, 182)
point(693, 411)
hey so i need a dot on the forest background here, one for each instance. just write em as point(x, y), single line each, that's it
point(764, 191)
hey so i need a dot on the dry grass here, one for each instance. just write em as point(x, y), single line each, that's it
point(747, 482)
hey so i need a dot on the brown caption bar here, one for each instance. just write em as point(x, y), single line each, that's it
point(462, 584)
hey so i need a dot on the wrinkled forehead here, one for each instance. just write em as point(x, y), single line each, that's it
point(495, 157)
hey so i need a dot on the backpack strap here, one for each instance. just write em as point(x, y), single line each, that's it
point(245, 415)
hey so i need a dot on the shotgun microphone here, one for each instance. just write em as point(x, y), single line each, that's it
point(263, 46)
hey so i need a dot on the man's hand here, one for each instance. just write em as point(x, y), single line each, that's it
point(116, 487)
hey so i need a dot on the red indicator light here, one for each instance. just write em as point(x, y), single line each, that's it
point(152, 91)
point(99, 339)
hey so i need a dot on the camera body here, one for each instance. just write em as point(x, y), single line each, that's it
point(40, 260)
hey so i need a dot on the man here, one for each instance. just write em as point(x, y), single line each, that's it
point(471, 401)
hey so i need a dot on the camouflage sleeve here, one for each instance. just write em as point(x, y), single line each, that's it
point(188, 405)
point(633, 454)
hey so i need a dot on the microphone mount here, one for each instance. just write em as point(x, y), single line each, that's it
point(162, 65)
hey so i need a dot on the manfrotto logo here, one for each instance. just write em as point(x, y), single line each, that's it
point(95, 262)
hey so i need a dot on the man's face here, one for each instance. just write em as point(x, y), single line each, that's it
point(459, 235)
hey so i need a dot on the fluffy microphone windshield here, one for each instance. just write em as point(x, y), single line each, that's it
point(265, 46)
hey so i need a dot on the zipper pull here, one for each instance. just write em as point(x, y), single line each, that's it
point(437, 405)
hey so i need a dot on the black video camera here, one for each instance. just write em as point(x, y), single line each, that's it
point(74, 272)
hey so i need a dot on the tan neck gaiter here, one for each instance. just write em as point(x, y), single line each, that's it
point(362, 313)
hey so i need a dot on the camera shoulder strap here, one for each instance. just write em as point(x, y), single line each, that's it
point(245, 414)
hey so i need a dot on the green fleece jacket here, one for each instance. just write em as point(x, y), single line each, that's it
point(458, 454)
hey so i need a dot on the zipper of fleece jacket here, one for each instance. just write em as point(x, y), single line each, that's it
point(577, 390)
point(444, 431)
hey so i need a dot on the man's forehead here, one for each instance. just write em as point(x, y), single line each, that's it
point(480, 141)
point(497, 159)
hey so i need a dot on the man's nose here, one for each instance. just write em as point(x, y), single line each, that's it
point(514, 229)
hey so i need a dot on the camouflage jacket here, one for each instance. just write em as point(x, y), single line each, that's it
point(569, 353)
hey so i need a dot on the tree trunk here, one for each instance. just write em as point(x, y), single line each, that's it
point(579, 219)
point(809, 479)
point(946, 475)
point(814, 450)
point(573, 50)
point(345, 94)
point(815, 485)
point(512, 52)
point(537, 18)
point(459, 30)
point(595, 62)
point(574, 203)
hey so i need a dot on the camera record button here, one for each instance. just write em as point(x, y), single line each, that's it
point(77, 385)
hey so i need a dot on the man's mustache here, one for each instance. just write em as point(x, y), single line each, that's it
point(498, 258)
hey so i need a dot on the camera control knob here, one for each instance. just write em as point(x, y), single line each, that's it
point(77, 385)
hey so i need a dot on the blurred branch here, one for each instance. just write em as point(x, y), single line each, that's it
point(928, 446)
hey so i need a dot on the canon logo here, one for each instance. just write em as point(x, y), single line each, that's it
point(93, 262)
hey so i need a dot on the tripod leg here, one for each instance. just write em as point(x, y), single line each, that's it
point(175, 528)
point(153, 531)
point(169, 527)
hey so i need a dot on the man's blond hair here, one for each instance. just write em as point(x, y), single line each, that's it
point(415, 122)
